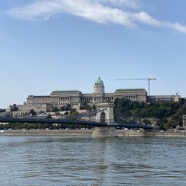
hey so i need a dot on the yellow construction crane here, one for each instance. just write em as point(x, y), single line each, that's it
point(148, 79)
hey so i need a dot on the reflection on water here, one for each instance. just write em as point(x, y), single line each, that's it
point(87, 161)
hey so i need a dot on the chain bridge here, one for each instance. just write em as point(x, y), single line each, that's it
point(72, 122)
point(102, 119)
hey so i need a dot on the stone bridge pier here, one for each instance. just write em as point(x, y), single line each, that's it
point(105, 115)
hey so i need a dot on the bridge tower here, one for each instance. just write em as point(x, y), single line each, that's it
point(106, 115)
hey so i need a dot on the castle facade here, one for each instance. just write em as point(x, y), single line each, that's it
point(73, 97)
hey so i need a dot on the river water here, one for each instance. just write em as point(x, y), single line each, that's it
point(83, 161)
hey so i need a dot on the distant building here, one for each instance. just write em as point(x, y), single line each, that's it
point(59, 98)
point(75, 97)
point(159, 98)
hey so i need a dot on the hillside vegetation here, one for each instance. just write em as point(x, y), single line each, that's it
point(164, 114)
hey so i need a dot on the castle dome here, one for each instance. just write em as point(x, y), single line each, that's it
point(99, 82)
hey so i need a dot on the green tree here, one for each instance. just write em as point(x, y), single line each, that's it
point(55, 109)
point(181, 101)
point(49, 116)
point(2, 110)
point(83, 105)
point(74, 113)
point(147, 122)
point(66, 113)
point(32, 112)
point(94, 107)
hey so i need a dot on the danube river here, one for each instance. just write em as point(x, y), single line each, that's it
point(84, 161)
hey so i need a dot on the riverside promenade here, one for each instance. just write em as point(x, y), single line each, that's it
point(121, 133)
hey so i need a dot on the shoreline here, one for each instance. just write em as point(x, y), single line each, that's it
point(121, 133)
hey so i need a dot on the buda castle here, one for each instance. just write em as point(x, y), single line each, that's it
point(75, 97)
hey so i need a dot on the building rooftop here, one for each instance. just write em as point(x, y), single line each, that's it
point(130, 89)
point(31, 96)
point(65, 91)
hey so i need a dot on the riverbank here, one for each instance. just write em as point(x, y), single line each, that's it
point(121, 133)
point(132, 133)
point(46, 133)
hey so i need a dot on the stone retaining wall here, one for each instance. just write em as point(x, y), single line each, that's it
point(46, 133)
point(121, 133)
point(131, 133)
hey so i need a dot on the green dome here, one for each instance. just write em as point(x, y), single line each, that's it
point(99, 82)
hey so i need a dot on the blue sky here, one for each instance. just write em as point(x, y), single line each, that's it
point(48, 45)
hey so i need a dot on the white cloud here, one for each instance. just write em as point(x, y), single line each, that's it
point(94, 10)
point(126, 3)
point(177, 26)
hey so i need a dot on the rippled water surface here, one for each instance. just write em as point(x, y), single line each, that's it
point(86, 161)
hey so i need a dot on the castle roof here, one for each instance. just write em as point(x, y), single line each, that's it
point(99, 82)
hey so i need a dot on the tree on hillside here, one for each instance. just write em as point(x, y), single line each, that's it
point(84, 105)
point(2, 110)
point(147, 122)
point(49, 116)
point(94, 107)
point(181, 101)
point(168, 114)
point(32, 112)
point(55, 109)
